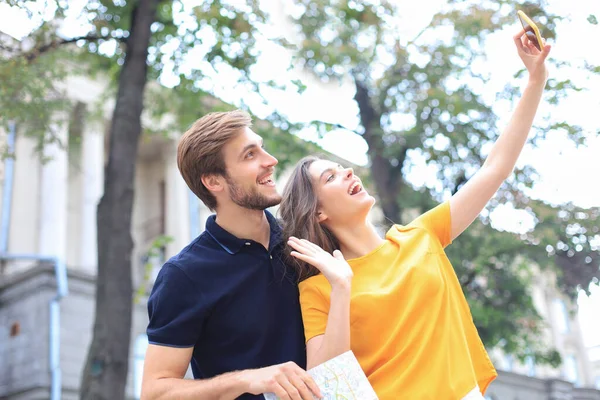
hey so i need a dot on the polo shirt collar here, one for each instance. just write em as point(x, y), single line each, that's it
point(232, 244)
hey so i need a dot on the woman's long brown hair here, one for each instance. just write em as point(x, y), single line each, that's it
point(298, 214)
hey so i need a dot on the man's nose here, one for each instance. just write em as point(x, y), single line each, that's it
point(270, 161)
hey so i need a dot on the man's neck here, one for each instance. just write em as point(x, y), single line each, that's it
point(244, 223)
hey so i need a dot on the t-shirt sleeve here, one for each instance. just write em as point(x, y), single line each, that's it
point(315, 309)
point(176, 309)
point(438, 222)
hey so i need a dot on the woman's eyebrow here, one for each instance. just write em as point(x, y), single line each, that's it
point(324, 172)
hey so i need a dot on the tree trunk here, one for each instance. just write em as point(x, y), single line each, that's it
point(387, 177)
point(105, 372)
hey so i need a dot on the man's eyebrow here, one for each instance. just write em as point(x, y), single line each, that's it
point(250, 146)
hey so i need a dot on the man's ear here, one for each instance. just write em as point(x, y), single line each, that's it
point(213, 183)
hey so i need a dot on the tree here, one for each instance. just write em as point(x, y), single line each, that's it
point(134, 42)
point(430, 83)
point(107, 363)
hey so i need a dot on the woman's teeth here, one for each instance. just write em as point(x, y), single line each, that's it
point(354, 189)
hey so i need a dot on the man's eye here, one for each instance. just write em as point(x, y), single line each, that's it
point(250, 154)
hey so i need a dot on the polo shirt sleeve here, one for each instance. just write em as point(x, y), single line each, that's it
point(314, 307)
point(176, 309)
point(438, 222)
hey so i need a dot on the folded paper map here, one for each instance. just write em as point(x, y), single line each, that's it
point(340, 378)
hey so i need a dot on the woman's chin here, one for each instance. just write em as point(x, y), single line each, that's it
point(365, 206)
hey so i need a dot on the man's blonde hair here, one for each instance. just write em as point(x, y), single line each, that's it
point(199, 152)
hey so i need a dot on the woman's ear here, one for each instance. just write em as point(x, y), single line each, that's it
point(213, 183)
point(321, 217)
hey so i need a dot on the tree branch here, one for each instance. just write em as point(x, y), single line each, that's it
point(7, 48)
point(34, 53)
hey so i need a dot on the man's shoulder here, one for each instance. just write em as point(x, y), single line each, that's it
point(184, 271)
point(201, 258)
point(199, 251)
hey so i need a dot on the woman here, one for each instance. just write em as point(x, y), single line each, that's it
point(396, 302)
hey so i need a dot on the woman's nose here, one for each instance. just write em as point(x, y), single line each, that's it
point(349, 172)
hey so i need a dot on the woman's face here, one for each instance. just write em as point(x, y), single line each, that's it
point(342, 199)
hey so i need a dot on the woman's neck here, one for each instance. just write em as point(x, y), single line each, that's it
point(357, 240)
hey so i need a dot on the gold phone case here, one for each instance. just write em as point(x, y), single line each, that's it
point(525, 20)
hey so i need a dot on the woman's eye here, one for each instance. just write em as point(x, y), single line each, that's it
point(330, 178)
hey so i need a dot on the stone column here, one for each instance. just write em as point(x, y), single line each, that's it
point(177, 203)
point(53, 196)
point(26, 199)
point(92, 190)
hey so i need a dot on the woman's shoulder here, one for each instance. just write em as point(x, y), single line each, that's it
point(315, 292)
point(315, 281)
point(400, 230)
point(316, 285)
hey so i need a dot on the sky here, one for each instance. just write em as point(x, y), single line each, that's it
point(565, 170)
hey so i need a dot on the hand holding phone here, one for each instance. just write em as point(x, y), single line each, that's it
point(531, 30)
point(532, 49)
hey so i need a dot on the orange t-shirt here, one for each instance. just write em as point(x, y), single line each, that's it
point(411, 327)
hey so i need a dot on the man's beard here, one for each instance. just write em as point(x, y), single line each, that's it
point(250, 198)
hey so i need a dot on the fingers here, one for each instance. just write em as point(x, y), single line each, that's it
point(301, 386)
point(531, 47)
point(311, 245)
point(279, 391)
point(291, 392)
point(300, 246)
point(545, 51)
point(305, 244)
point(299, 242)
point(338, 254)
point(305, 258)
point(518, 39)
point(524, 44)
point(310, 383)
point(295, 383)
point(518, 36)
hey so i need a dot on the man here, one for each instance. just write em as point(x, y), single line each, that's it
point(226, 303)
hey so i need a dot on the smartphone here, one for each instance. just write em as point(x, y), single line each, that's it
point(531, 30)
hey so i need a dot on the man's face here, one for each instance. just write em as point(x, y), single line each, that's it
point(250, 168)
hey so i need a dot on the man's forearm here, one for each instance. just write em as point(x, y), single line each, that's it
point(228, 386)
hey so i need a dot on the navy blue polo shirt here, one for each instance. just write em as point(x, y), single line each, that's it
point(232, 300)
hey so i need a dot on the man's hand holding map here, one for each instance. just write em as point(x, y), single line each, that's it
point(340, 378)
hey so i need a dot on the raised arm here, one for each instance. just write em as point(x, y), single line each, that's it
point(165, 367)
point(468, 202)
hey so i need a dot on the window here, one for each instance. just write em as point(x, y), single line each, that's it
point(530, 364)
point(507, 363)
point(571, 370)
point(195, 215)
point(562, 315)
